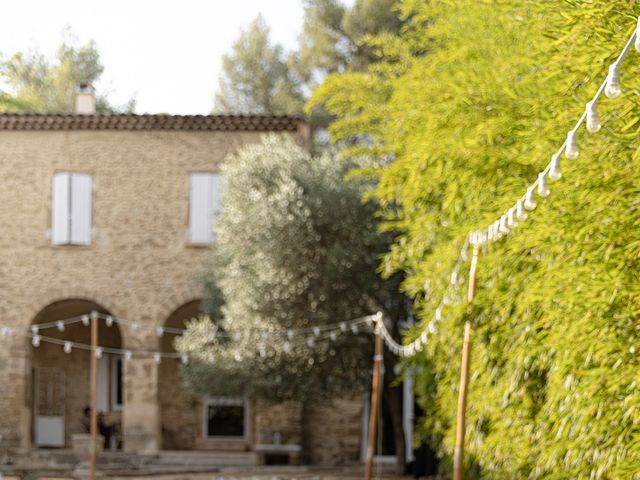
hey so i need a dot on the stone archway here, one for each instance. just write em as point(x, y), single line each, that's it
point(60, 378)
point(180, 412)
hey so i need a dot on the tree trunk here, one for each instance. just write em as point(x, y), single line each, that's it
point(393, 397)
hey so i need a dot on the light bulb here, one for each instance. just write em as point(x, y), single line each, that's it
point(612, 89)
point(503, 225)
point(85, 320)
point(354, 328)
point(160, 331)
point(530, 199)
point(35, 340)
point(108, 320)
point(34, 329)
point(454, 277)
point(543, 188)
point(593, 119)
point(310, 342)
point(638, 36)
point(67, 347)
point(134, 326)
point(316, 331)
point(60, 326)
point(94, 315)
point(184, 358)
point(343, 326)
point(432, 327)
point(127, 355)
point(511, 221)
point(438, 315)
point(521, 214)
point(554, 168)
point(286, 347)
point(98, 352)
point(157, 358)
point(289, 334)
point(333, 336)
point(571, 150)
point(423, 337)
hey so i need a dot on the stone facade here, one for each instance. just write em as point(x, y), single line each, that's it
point(139, 266)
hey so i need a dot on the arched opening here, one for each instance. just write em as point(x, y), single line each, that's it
point(61, 374)
point(180, 412)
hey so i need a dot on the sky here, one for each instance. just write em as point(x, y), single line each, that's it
point(165, 53)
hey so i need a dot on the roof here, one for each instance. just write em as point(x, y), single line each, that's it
point(127, 121)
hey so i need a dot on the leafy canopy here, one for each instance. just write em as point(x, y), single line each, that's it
point(296, 247)
point(471, 101)
point(39, 85)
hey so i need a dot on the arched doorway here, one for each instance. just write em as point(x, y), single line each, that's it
point(61, 375)
point(180, 412)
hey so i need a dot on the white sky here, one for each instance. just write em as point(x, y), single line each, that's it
point(165, 52)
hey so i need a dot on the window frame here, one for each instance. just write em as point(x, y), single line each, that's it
point(69, 239)
point(225, 401)
point(113, 376)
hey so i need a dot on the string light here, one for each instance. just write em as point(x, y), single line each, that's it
point(520, 211)
point(530, 199)
point(35, 340)
point(108, 320)
point(34, 328)
point(99, 351)
point(543, 188)
point(289, 334)
point(571, 150)
point(184, 358)
point(316, 331)
point(612, 89)
point(157, 358)
point(85, 320)
point(128, 354)
point(159, 331)
point(511, 221)
point(593, 119)
point(554, 168)
point(60, 326)
point(67, 347)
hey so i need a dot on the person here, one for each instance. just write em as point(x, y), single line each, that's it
point(104, 430)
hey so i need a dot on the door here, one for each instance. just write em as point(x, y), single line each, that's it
point(49, 403)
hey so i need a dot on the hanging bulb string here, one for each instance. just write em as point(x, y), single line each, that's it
point(110, 319)
point(489, 234)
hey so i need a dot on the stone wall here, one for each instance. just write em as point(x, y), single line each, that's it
point(138, 266)
point(332, 431)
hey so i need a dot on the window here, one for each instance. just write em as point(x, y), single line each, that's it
point(71, 209)
point(206, 200)
point(224, 418)
point(116, 382)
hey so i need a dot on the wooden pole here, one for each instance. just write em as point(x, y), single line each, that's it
point(458, 460)
point(94, 396)
point(375, 405)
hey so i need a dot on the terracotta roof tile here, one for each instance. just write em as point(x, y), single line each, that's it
point(104, 121)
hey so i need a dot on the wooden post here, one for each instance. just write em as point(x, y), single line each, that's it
point(94, 396)
point(375, 405)
point(458, 460)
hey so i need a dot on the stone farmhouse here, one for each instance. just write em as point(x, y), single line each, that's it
point(116, 213)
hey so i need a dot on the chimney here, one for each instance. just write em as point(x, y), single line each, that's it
point(85, 99)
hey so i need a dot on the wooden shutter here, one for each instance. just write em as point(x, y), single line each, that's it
point(60, 209)
point(200, 209)
point(81, 209)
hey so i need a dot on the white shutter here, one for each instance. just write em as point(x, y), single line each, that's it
point(216, 201)
point(60, 209)
point(201, 208)
point(81, 209)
